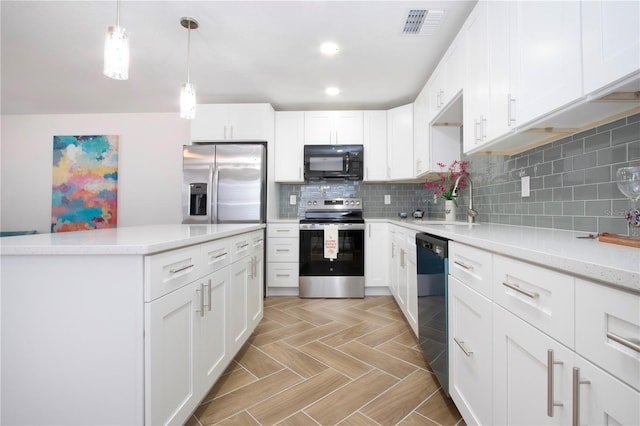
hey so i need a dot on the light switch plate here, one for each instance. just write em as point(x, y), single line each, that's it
point(524, 184)
point(292, 199)
point(387, 199)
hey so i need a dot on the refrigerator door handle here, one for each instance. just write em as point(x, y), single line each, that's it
point(214, 194)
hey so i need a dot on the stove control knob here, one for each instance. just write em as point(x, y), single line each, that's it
point(315, 202)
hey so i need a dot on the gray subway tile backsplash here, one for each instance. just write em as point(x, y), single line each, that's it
point(572, 185)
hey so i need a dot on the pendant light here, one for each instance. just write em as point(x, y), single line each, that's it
point(187, 91)
point(116, 50)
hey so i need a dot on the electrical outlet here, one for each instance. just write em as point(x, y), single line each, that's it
point(524, 186)
point(387, 199)
point(292, 199)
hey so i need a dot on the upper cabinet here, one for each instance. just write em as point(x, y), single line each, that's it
point(333, 127)
point(289, 146)
point(400, 142)
point(421, 132)
point(227, 122)
point(448, 78)
point(545, 55)
point(610, 40)
point(375, 146)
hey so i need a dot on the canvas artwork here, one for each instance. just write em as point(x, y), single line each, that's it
point(85, 183)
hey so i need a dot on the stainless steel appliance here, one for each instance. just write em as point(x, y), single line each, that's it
point(322, 162)
point(224, 183)
point(322, 276)
point(433, 269)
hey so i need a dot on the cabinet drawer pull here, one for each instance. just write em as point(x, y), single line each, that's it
point(624, 342)
point(283, 275)
point(515, 287)
point(175, 271)
point(461, 345)
point(462, 265)
point(550, 402)
point(575, 418)
point(283, 230)
point(220, 255)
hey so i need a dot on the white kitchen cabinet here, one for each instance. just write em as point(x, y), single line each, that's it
point(447, 80)
point(283, 267)
point(333, 127)
point(545, 55)
point(376, 255)
point(523, 374)
point(255, 292)
point(470, 352)
point(403, 276)
point(421, 133)
point(217, 122)
point(411, 265)
point(400, 142)
point(394, 261)
point(375, 146)
point(186, 347)
point(610, 41)
point(289, 146)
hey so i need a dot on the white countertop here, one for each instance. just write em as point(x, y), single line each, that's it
point(552, 248)
point(117, 241)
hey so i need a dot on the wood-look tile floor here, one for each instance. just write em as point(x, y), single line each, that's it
point(328, 362)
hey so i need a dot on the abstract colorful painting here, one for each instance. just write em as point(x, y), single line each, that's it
point(85, 183)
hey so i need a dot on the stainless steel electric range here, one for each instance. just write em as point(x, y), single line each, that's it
point(342, 275)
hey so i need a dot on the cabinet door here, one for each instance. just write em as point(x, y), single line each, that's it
point(376, 255)
point(255, 285)
point(375, 145)
point(212, 352)
point(171, 344)
point(604, 400)
point(455, 69)
point(470, 352)
point(348, 127)
point(394, 252)
point(209, 122)
point(400, 141)
point(412, 287)
point(250, 122)
point(610, 41)
point(238, 293)
point(476, 94)
point(289, 146)
point(521, 379)
point(318, 127)
point(421, 133)
point(546, 57)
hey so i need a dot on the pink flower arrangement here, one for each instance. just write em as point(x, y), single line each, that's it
point(443, 186)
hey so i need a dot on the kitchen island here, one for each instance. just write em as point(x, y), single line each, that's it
point(124, 326)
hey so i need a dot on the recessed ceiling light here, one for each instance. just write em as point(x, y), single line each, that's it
point(332, 91)
point(329, 48)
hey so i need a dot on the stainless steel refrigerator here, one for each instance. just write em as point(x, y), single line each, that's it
point(224, 183)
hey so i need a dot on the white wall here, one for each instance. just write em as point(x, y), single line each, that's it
point(149, 165)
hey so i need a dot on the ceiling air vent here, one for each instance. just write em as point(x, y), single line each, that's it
point(423, 21)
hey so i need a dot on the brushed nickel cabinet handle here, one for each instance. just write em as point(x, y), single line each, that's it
point(209, 287)
point(515, 287)
point(462, 265)
point(624, 342)
point(575, 418)
point(175, 271)
point(550, 400)
point(200, 291)
point(461, 345)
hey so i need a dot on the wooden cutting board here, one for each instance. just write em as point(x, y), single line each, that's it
point(619, 239)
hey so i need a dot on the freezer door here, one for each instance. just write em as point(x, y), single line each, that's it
point(240, 181)
point(197, 193)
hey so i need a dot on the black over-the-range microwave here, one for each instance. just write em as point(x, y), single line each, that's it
point(323, 162)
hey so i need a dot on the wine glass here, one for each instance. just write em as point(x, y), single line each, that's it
point(628, 180)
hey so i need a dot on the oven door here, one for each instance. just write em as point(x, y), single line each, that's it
point(350, 258)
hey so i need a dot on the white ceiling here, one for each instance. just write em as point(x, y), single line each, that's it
point(244, 51)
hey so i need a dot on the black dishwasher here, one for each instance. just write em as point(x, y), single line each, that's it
point(433, 269)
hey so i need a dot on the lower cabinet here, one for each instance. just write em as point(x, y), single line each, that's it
point(186, 347)
point(403, 275)
point(470, 352)
point(376, 255)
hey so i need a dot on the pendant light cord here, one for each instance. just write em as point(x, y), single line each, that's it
point(118, 13)
point(189, 53)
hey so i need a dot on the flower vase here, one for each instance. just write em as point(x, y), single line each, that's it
point(449, 211)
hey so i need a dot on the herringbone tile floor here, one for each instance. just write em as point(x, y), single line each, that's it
point(328, 362)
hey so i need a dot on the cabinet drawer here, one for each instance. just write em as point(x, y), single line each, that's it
point(216, 255)
point(240, 247)
point(165, 272)
point(282, 274)
point(277, 230)
point(472, 266)
point(541, 297)
point(608, 330)
point(283, 250)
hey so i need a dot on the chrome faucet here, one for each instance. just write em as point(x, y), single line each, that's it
point(471, 213)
